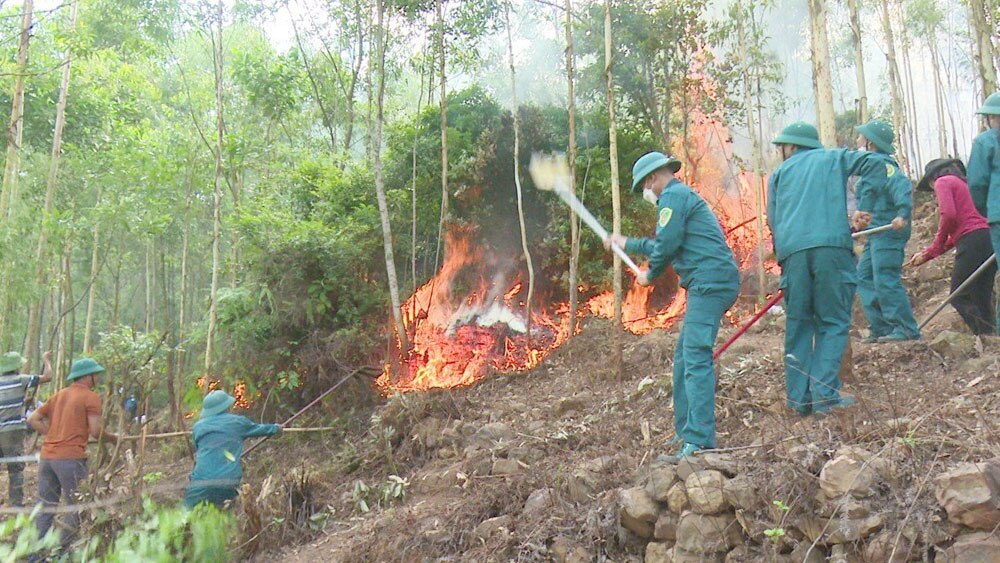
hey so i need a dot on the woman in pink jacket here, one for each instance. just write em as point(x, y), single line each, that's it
point(962, 227)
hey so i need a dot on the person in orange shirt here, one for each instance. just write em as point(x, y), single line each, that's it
point(68, 420)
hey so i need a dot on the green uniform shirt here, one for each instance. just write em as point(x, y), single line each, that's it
point(807, 198)
point(984, 174)
point(888, 200)
point(219, 443)
point(689, 236)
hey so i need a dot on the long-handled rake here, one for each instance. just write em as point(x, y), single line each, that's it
point(551, 173)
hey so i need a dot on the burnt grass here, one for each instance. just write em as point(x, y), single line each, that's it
point(919, 411)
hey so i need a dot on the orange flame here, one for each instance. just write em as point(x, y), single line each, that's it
point(459, 339)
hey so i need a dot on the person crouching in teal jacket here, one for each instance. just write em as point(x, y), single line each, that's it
point(807, 213)
point(880, 270)
point(688, 235)
point(218, 439)
point(984, 172)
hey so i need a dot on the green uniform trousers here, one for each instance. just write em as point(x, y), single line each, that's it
point(995, 237)
point(694, 372)
point(819, 288)
point(880, 287)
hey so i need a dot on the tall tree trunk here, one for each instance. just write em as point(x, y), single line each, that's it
point(517, 177)
point(15, 129)
point(8, 187)
point(92, 285)
point(757, 180)
point(216, 200)
point(983, 51)
point(912, 130)
point(182, 308)
point(942, 127)
point(383, 206)
point(64, 352)
point(35, 313)
point(859, 61)
point(148, 286)
point(616, 200)
point(166, 297)
point(895, 85)
point(574, 222)
point(443, 79)
point(819, 46)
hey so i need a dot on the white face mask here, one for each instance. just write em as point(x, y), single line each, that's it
point(650, 196)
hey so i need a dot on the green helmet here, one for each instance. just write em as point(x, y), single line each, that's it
point(11, 361)
point(649, 163)
point(879, 133)
point(82, 368)
point(216, 402)
point(992, 105)
point(801, 134)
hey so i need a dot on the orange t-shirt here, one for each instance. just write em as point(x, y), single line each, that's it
point(69, 430)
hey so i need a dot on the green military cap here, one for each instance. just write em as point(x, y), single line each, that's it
point(992, 105)
point(800, 134)
point(11, 361)
point(82, 368)
point(216, 402)
point(649, 163)
point(879, 133)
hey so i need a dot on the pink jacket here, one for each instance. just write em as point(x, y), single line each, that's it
point(958, 215)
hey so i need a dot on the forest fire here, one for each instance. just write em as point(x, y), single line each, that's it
point(468, 320)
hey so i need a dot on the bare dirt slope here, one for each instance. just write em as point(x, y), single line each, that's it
point(530, 466)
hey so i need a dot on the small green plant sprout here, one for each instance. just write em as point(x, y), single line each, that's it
point(781, 506)
point(909, 440)
point(393, 489)
point(774, 534)
point(153, 477)
point(360, 494)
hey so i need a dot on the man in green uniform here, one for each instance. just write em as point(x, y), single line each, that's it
point(984, 170)
point(218, 439)
point(807, 213)
point(880, 270)
point(688, 236)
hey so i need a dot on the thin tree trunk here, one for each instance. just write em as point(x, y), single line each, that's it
point(34, 314)
point(859, 61)
point(755, 147)
point(895, 88)
point(216, 202)
point(517, 178)
point(15, 129)
point(822, 82)
point(148, 284)
point(616, 203)
point(66, 301)
point(182, 308)
point(92, 286)
point(442, 77)
point(938, 98)
point(907, 76)
point(983, 52)
point(574, 222)
point(383, 206)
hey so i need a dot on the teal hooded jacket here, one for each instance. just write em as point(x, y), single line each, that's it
point(984, 174)
point(807, 197)
point(688, 235)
